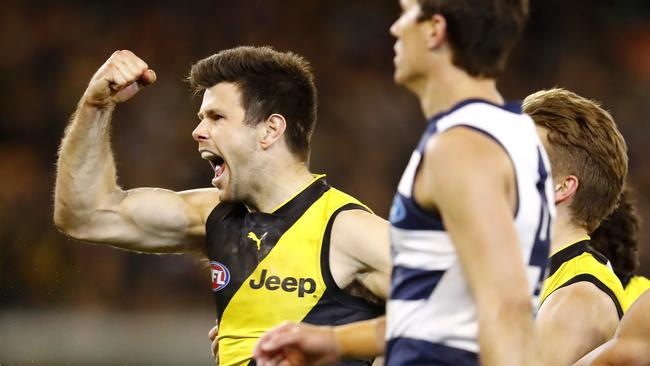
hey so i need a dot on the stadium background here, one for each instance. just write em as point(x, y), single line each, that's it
point(65, 303)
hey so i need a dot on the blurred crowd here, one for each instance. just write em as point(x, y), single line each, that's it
point(599, 49)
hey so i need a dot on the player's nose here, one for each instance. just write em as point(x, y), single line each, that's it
point(394, 28)
point(200, 133)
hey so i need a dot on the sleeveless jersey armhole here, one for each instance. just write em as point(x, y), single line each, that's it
point(337, 293)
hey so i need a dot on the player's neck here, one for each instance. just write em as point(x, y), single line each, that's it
point(446, 88)
point(566, 233)
point(277, 185)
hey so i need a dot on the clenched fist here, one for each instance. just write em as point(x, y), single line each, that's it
point(118, 79)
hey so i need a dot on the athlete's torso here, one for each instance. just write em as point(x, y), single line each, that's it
point(432, 317)
point(271, 268)
point(579, 262)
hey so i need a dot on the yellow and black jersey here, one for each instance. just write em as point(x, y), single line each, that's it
point(634, 287)
point(268, 268)
point(579, 262)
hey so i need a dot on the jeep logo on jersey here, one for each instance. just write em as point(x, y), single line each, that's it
point(220, 276)
point(288, 284)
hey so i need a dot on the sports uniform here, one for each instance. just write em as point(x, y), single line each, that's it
point(432, 316)
point(634, 287)
point(579, 262)
point(268, 268)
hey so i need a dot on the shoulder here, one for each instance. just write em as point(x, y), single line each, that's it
point(460, 157)
point(582, 293)
point(464, 147)
point(340, 201)
point(202, 201)
point(361, 238)
point(582, 302)
point(356, 225)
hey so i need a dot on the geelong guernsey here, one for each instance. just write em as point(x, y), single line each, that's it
point(268, 268)
point(432, 317)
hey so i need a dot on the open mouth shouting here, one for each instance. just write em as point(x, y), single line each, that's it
point(216, 162)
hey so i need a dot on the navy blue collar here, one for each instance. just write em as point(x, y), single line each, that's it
point(512, 107)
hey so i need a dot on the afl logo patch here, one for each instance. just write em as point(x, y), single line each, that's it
point(220, 276)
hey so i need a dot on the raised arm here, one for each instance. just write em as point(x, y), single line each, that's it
point(469, 180)
point(89, 205)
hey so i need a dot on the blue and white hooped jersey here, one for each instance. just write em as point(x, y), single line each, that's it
point(432, 317)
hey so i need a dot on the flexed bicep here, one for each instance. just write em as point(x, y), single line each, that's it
point(148, 220)
point(89, 204)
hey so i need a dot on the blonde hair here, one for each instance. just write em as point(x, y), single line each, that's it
point(583, 141)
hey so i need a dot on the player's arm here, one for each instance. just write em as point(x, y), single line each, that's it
point(572, 321)
point(630, 344)
point(359, 340)
point(88, 203)
point(303, 344)
point(619, 352)
point(469, 179)
point(360, 250)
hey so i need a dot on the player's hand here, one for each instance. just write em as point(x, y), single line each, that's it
point(293, 344)
point(118, 79)
point(212, 335)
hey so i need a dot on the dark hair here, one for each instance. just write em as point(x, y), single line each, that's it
point(617, 237)
point(583, 141)
point(269, 82)
point(481, 32)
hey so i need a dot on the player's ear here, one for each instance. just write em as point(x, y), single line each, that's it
point(274, 128)
point(566, 188)
point(436, 31)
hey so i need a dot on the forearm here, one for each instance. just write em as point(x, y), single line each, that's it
point(86, 174)
point(506, 334)
point(361, 339)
